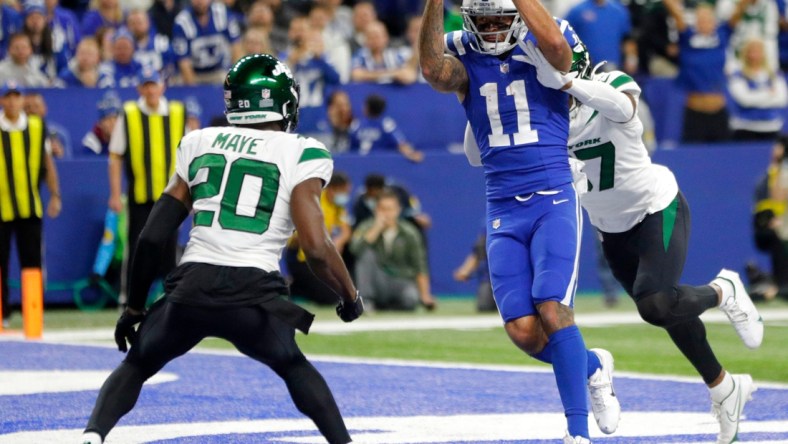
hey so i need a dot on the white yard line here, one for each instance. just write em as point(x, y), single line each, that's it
point(369, 324)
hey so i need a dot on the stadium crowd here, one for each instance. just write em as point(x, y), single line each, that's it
point(727, 56)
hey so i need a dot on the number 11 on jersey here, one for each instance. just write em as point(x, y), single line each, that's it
point(524, 134)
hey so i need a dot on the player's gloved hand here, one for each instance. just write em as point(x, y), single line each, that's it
point(349, 311)
point(124, 329)
point(545, 72)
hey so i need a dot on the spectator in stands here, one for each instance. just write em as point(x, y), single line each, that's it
point(83, 69)
point(337, 48)
point(306, 58)
point(64, 26)
point(759, 95)
point(333, 200)
point(364, 13)
point(234, 13)
point(260, 16)
point(394, 14)
point(657, 42)
point(410, 50)
point(374, 184)
point(102, 14)
point(10, 24)
point(96, 141)
point(122, 71)
point(391, 263)
point(206, 42)
point(377, 62)
point(22, 213)
point(49, 56)
point(58, 137)
point(255, 41)
point(701, 70)
point(104, 37)
point(151, 48)
point(283, 13)
point(340, 18)
point(476, 264)
point(334, 131)
point(605, 27)
point(17, 65)
point(760, 20)
point(162, 13)
point(379, 133)
point(136, 138)
point(770, 220)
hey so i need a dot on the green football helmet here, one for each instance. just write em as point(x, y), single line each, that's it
point(259, 88)
point(581, 62)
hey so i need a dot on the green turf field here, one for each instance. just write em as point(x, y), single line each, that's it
point(637, 348)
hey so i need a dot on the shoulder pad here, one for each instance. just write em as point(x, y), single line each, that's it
point(620, 81)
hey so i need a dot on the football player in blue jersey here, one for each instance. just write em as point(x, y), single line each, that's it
point(533, 214)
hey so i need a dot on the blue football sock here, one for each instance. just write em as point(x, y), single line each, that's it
point(546, 356)
point(570, 365)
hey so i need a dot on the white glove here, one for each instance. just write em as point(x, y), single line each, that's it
point(545, 72)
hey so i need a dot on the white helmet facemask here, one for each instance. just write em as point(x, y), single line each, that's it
point(506, 39)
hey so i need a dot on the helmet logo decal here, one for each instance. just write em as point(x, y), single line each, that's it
point(267, 101)
point(281, 68)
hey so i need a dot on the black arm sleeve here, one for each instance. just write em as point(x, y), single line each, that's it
point(164, 219)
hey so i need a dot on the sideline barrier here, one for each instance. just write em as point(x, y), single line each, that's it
point(717, 180)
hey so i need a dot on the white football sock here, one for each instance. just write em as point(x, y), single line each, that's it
point(723, 389)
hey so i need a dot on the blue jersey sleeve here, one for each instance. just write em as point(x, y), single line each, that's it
point(392, 134)
point(180, 43)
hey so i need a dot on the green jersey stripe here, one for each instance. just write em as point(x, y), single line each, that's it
point(621, 80)
point(314, 153)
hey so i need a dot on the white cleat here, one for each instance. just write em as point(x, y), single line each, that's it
point(576, 440)
point(604, 402)
point(737, 305)
point(90, 438)
point(728, 412)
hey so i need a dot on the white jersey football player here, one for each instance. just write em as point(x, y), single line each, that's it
point(643, 220)
point(249, 185)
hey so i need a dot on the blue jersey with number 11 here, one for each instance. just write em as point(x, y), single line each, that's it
point(521, 127)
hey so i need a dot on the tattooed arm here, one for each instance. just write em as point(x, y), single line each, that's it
point(444, 72)
point(548, 36)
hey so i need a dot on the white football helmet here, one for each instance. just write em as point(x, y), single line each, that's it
point(471, 9)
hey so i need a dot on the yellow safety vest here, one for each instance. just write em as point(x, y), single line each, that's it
point(21, 167)
point(151, 141)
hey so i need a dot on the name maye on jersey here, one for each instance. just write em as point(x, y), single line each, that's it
point(241, 180)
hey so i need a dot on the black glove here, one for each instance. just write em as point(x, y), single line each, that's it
point(124, 329)
point(349, 311)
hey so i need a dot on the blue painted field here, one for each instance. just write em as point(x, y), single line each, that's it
point(47, 392)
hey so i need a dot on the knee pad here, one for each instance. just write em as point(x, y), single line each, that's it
point(655, 309)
